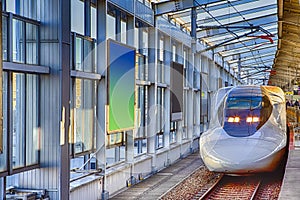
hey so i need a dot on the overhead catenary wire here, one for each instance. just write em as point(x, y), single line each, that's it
point(233, 33)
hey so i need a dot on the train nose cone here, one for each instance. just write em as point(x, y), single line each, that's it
point(239, 151)
point(237, 154)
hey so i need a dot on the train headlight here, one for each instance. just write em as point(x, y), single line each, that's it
point(233, 119)
point(252, 119)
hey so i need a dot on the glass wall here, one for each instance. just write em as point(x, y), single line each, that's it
point(21, 97)
point(83, 97)
point(21, 94)
point(83, 111)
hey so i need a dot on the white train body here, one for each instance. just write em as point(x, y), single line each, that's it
point(247, 132)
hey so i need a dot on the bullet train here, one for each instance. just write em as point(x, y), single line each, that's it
point(247, 132)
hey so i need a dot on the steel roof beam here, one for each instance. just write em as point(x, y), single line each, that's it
point(166, 7)
point(225, 16)
point(213, 7)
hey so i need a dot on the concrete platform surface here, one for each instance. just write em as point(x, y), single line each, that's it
point(156, 185)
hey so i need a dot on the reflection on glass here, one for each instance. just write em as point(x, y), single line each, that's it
point(77, 16)
point(93, 22)
point(140, 147)
point(3, 153)
point(174, 56)
point(18, 107)
point(84, 115)
point(110, 27)
point(32, 116)
point(160, 117)
point(141, 67)
point(173, 130)
point(145, 43)
point(31, 44)
point(115, 155)
point(142, 105)
point(4, 38)
point(159, 141)
point(88, 56)
point(123, 31)
point(78, 55)
point(17, 40)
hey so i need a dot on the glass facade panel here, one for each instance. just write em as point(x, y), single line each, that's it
point(88, 56)
point(123, 31)
point(78, 52)
point(77, 16)
point(140, 147)
point(115, 155)
point(110, 27)
point(145, 43)
point(4, 38)
point(31, 44)
point(26, 8)
point(159, 140)
point(32, 116)
point(84, 110)
point(204, 99)
point(141, 67)
point(173, 130)
point(18, 41)
point(142, 111)
point(161, 50)
point(3, 152)
point(18, 107)
point(93, 22)
point(174, 55)
point(160, 117)
point(11, 6)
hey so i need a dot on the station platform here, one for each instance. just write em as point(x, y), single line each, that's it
point(290, 188)
point(158, 184)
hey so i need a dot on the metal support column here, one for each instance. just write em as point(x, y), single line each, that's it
point(151, 128)
point(130, 134)
point(166, 107)
point(101, 64)
point(65, 30)
point(2, 183)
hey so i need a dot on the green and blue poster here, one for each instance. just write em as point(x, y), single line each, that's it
point(121, 86)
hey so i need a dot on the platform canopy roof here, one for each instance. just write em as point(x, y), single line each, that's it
point(257, 38)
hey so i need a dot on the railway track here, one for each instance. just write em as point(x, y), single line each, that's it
point(203, 184)
point(232, 187)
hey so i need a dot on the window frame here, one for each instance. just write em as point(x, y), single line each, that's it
point(10, 68)
point(83, 75)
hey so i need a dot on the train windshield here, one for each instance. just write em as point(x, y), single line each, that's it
point(244, 102)
point(244, 115)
